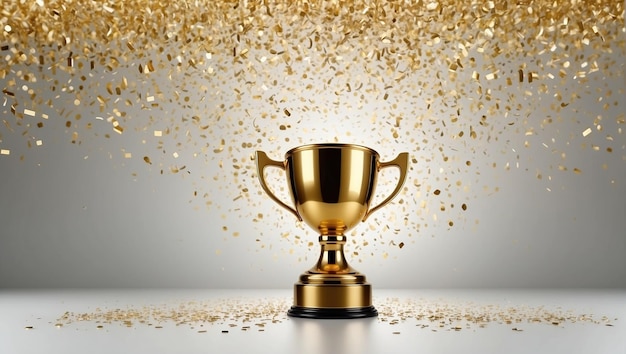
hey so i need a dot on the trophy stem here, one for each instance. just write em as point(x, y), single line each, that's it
point(332, 259)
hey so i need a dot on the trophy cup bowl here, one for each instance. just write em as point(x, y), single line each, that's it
point(331, 187)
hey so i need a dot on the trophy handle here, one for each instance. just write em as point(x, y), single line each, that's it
point(262, 161)
point(402, 162)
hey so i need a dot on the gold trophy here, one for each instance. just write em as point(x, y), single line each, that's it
point(332, 186)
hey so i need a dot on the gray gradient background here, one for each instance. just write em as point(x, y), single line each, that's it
point(71, 221)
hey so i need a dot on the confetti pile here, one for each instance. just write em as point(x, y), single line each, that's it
point(245, 315)
point(195, 87)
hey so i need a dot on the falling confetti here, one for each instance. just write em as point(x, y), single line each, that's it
point(465, 87)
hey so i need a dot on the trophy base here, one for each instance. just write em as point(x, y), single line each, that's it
point(327, 295)
point(332, 313)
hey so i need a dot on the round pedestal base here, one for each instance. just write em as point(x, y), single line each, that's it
point(325, 295)
point(332, 313)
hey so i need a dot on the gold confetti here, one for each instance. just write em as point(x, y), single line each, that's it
point(221, 83)
point(221, 147)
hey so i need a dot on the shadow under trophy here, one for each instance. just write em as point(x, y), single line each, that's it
point(331, 186)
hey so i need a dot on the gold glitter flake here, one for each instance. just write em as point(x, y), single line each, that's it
point(221, 147)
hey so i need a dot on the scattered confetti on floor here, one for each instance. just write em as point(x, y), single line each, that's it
point(442, 315)
point(224, 315)
point(241, 314)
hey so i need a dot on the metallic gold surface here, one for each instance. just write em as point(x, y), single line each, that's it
point(331, 186)
point(262, 161)
point(332, 296)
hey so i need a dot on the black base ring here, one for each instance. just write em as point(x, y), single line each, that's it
point(332, 313)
